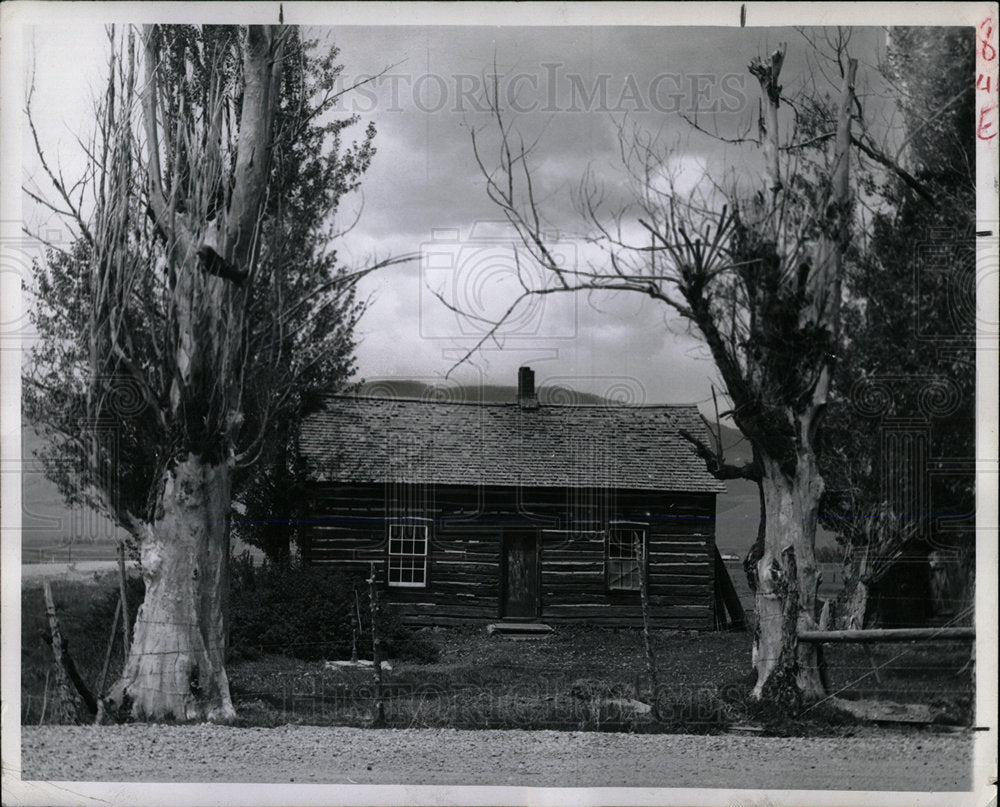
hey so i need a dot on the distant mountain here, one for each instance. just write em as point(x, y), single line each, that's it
point(471, 393)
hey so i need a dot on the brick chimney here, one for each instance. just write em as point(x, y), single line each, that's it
point(526, 397)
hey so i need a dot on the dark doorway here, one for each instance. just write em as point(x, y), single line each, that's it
point(520, 574)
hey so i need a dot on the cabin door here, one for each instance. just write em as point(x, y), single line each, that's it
point(520, 583)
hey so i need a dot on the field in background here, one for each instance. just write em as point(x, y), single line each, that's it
point(830, 585)
point(51, 531)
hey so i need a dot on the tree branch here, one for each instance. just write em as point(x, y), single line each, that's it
point(262, 77)
point(716, 464)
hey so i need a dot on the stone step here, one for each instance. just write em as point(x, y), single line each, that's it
point(519, 629)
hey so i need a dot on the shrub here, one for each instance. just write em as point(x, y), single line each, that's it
point(306, 612)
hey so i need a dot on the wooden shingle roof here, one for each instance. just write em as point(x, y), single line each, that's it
point(359, 439)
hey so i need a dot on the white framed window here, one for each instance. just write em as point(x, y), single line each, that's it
point(407, 566)
point(626, 549)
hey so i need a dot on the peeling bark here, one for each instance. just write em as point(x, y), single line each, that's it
point(768, 73)
point(787, 580)
point(176, 668)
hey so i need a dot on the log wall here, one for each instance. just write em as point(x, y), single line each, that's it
point(346, 525)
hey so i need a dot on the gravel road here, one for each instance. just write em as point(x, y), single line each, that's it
point(882, 761)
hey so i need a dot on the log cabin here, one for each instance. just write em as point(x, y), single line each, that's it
point(515, 512)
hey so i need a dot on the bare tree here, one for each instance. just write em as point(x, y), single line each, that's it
point(758, 275)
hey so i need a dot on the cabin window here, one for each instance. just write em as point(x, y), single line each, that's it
point(625, 550)
point(408, 555)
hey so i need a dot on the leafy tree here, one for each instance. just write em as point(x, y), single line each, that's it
point(908, 368)
point(192, 316)
point(313, 171)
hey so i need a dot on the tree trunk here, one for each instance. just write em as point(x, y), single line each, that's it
point(787, 585)
point(176, 667)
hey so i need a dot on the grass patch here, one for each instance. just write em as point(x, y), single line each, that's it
point(579, 678)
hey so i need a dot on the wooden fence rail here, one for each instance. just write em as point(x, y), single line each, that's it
point(887, 635)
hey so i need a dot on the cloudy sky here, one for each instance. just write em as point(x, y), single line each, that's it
point(424, 194)
point(571, 88)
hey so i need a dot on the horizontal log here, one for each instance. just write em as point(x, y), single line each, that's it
point(439, 593)
point(571, 590)
point(701, 624)
point(658, 558)
point(443, 584)
point(582, 572)
point(887, 635)
point(450, 565)
point(666, 578)
point(598, 612)
point(438, 617)
point(486, 610)
point(337, 537)
point(569, 596)
point(706, 622)
point(674, 543)
point(427, 621)
point(663, 604)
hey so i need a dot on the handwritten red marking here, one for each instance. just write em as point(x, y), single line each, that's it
point(986, 128)
point(988, 52)
point(986, 121)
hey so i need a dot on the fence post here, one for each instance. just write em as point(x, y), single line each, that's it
point(355, 627)
point(379, 718)
point(124, 599)
point(45, 698)
point(639, 545)
point(111, 647)
point(69, 705)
